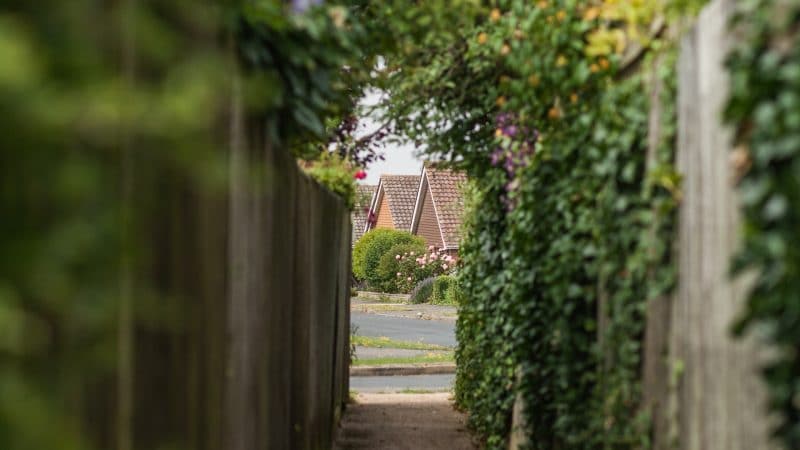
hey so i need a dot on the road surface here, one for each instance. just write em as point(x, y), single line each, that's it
point(438, 332)
point(402, 383)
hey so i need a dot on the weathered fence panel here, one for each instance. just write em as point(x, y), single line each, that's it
point(289, 271)
point(241, 300)
point(714, 398)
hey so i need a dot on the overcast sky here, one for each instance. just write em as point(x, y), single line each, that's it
point(400, 160)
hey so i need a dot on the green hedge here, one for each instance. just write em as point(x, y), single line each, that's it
point(566, 211)
point(369, 250)
point(441, 285)
point(454, 294)
point(586, 218)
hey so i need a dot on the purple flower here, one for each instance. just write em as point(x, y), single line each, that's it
point(301, 6)
point(495, 157)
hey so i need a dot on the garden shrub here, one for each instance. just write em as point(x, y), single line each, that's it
point(393, 269)
point(441, 285)
point(371, 247)
point(453, 294)
point(422, 291)
point(336, 174)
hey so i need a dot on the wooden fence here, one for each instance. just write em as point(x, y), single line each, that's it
point(701, 384)
point(238, 337)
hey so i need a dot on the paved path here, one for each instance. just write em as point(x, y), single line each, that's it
point(400, 383)
point(403, 421)
point(403, 329)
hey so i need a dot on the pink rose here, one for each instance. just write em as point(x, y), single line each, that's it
point(409, 278)
point(396, 256)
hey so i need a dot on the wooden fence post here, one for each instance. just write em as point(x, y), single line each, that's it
point(719, 399)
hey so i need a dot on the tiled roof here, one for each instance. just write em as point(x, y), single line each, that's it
point(401, 191)
point(364, 194)
point(446, 187)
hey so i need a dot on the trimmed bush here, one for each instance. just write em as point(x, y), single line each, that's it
point(393, 268)
point(372, 246)
point(441, 285)
point(422, 291)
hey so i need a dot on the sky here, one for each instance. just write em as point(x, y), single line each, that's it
point(399, 159)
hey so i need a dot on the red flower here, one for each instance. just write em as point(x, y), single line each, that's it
point(360, 175)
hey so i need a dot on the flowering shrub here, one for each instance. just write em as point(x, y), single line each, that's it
point(370, 249)
point(393, 278)
point(516, 145)
point(405, 267)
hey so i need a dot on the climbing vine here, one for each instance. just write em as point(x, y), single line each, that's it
point(565, 241)
point(764, 106)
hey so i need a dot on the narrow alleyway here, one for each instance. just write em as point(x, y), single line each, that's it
point(403, 421)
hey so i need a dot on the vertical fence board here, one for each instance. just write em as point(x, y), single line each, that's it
point(656, 346)
point(718, 388)
point(281, 198)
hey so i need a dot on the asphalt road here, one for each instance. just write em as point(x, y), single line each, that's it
point(399, 383)
point(438, 332)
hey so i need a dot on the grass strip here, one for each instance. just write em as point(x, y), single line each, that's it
point(385, 342)
point(423, 391)
point(422, 359)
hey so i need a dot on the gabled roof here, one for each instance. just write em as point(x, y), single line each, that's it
point(401, 194)
point(364, 194)
point(445, 189)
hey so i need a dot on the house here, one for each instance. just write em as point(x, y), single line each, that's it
point(364, 194)
point(392, 205)
point(439, 208)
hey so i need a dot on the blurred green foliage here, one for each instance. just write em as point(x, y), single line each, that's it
point(337, 175)
point(114, 116)
point(83, 88)
point(764, 108)
point(441, 286)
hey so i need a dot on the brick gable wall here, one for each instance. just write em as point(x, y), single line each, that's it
point(428, 227)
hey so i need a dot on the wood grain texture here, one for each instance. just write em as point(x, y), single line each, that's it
point(718, 399)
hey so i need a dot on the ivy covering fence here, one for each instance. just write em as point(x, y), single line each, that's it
point(564, 115)
point(572, 209)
